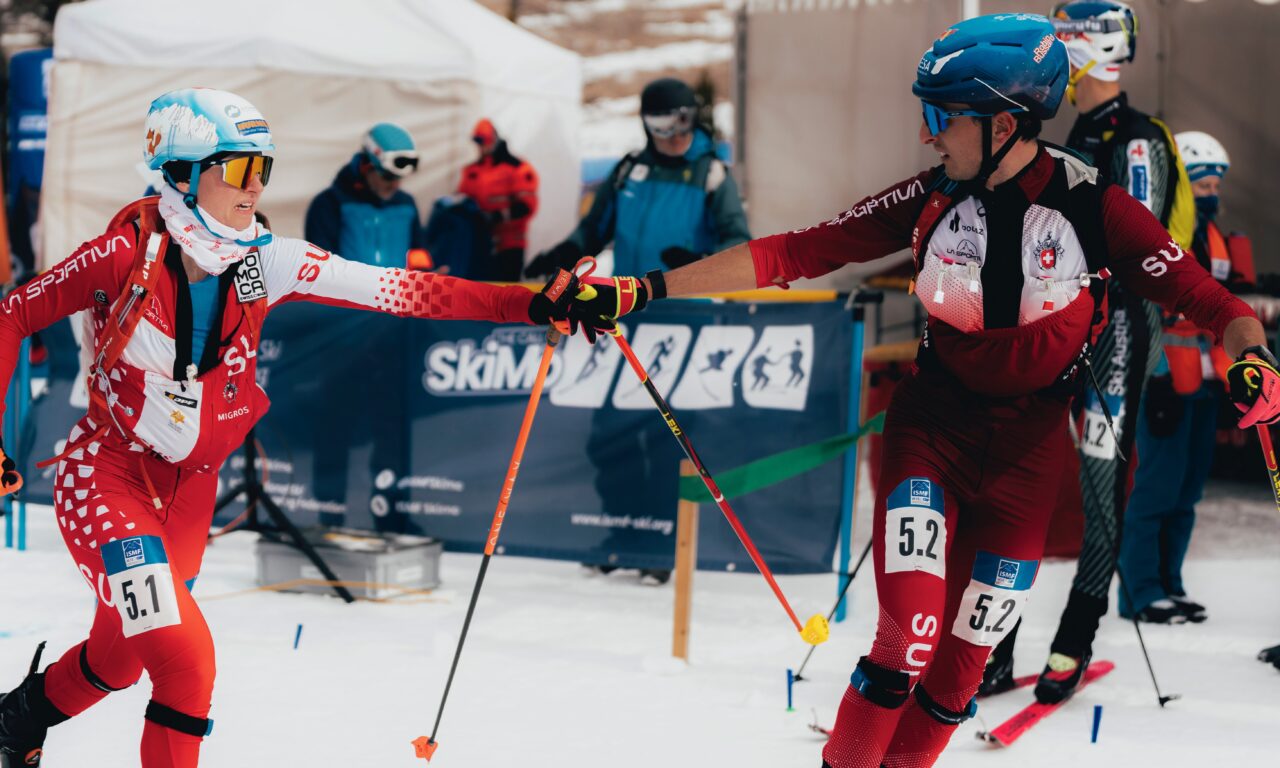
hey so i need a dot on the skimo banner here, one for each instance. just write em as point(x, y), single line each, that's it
point(390, 424)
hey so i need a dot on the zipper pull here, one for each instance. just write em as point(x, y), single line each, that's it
point(192, 370)
point(974, 272)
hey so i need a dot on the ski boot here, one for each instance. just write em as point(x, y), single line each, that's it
point(1061, 677)
point(1163, 611)
point(25, 717)
point(1270, 656)
point(997, 676)
point(1194, 611)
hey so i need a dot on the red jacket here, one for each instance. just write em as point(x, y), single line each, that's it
point(197, 424)
point(497, 182)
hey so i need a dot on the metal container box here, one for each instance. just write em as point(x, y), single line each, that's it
point(370, 564)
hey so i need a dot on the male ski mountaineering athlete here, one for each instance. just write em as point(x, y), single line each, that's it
point(176, 291)
point(1014, 244)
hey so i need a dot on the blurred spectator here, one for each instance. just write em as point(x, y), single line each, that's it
point(667, 205)
point(364, 216)
point(505, 189)
point(1179, 415)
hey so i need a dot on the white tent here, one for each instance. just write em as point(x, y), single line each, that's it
point(322, 72)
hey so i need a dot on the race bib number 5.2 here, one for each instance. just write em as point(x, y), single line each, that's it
point(915, 535)
point(993, 600)
point(141, 584)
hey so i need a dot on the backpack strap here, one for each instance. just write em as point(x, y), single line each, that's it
point(124, 314)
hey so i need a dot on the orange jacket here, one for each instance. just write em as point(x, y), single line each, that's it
point(497, 182)
point(1192, 355)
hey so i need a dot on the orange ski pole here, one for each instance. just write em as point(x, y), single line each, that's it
point(425, 746)
point(815, 630)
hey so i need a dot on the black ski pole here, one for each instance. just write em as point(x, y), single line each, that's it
point(1115, 541)
point(848, 580)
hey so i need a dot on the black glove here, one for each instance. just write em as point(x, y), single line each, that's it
point(519, 209)
point(675, 257)
point(563, 256)
point(551, 304)
point(602, 300)
point(1164, 407)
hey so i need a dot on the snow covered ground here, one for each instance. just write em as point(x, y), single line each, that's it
point(567, 670)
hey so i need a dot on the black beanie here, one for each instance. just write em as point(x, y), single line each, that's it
point(666, 95)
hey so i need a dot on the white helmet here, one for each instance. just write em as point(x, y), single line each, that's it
point(1202, 154)
point(193, 124)
point(1099, 35)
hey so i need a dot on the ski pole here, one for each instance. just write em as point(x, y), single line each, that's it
point(1269, 456)
point(425, 746)
point(815, 630)
point(848, 580)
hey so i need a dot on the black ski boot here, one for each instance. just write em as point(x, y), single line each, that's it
point(1061, 677)
point(997, 676)
point(1194, 611)
point(1270, 656)
point(1163, 611)
point(25, 717)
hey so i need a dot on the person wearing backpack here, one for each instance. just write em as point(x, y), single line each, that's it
point(176, 290)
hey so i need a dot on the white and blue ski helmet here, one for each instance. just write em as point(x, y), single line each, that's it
point(192, 124)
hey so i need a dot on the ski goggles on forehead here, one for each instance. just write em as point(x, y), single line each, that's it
point(239, 170)
point(937, 119)
point(666, 125)
point(399, 162)
point(1074, 27)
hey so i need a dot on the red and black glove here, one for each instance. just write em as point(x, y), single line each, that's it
point(602, 300)
point(551, 304)
point(10, 480)
point(1253, 383)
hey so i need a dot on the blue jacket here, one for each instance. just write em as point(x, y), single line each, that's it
point(352, 222)
point(651, 202)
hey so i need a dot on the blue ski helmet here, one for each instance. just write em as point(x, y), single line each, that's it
point(996, 63)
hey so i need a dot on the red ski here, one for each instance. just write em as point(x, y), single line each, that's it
point(1008, 732)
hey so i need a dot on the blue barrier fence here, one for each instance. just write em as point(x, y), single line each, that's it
point(383, 423)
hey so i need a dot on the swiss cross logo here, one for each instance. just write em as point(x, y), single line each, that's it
point(1048, 257)
point(1137, 151)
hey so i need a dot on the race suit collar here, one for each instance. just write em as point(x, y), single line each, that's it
point(1106, 115)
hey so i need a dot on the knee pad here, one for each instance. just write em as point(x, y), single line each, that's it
point(879, 685)
point(94, 679)
point(177, 721)
point(941, 713)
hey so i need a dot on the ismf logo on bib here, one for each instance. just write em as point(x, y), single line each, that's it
point(915, 535)
point(994, 599)
point(141, 584)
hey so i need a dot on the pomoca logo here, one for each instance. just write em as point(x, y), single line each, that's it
point(504, 363)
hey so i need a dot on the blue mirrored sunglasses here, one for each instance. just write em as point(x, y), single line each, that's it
point(937, 118)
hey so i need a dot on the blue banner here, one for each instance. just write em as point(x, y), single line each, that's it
point(382, 423)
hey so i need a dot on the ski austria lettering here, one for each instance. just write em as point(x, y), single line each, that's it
point(420, 446)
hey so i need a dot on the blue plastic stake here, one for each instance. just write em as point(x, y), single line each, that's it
point(297, 637)
point(1097, 721)
point(849, 481)
point(791, 679)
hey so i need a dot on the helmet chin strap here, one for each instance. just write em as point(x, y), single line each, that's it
point(1076, 78)
point(189, 199)
point(990, 160)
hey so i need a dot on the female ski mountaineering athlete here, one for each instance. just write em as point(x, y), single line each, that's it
point(1014, 242)
point(176, 291)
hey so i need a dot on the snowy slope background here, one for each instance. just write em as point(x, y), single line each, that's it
point(574, 671)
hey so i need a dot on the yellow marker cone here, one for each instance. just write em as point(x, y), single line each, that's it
point(816, 630)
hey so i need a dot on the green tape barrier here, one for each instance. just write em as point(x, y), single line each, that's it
point(770, 470)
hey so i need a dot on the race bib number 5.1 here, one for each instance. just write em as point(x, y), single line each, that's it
point(915, 535)
point(141, 584)
point(994, 598)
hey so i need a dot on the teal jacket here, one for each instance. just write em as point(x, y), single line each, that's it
point(650, 202)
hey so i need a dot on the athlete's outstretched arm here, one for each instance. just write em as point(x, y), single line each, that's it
point(296, 270)
point(730, 270)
